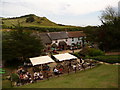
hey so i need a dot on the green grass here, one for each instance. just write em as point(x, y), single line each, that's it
point(6, 84)
point(103, 76)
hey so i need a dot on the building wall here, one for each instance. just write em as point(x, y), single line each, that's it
point(75, 40)
point(69, 41)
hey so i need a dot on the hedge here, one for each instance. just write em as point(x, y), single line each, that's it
point(108, 58)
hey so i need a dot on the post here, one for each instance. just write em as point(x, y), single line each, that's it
point(47, 76)
point(68, 70)
point(11, 80)
point(75, 69)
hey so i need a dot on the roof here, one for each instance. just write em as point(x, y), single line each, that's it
point(65, 56)
point(76, 34)
point(41, 60)
point(45, 38)
point(57, 35)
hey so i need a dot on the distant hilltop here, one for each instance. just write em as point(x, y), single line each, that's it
point(28, 20)
point(42, 24)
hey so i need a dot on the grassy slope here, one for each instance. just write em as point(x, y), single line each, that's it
point(104, 76)
point(44, 22)
point(39, 22)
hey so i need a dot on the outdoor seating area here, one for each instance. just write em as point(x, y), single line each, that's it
point(42, 70)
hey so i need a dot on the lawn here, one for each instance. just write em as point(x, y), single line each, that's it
point(103, 76)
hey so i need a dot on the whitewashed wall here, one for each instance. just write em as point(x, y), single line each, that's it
point(70, 41)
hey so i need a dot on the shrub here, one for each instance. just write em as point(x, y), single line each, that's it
point(95, 52)
point(30, 19)
point(108, 58)
point(91, 52)
point(15, 77)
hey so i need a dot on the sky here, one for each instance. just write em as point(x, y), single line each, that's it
point(68, 12)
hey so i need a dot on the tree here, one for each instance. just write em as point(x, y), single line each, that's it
point(109, 31)
point(91, 32)
point(108, 15)
point(30, 19)
point(20, 45)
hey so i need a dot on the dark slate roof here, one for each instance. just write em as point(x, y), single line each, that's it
point(76, 34)
point(45, 38)
point(57, 35)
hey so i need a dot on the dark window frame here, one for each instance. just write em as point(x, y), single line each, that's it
point(72, 39)
point(56, 41)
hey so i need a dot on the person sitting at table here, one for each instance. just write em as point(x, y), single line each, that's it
point(47, 68)
point(25, 77)
point(60, 70)
point(74, 67)
point(56, 71)
point(21, 78)
point(41, 76)
point(35, 76)
point(19, 71)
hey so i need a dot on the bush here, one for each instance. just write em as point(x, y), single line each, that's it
point(30, 19)
point(91, 52)
point(108, 58)
point(15, 77)
point(95, 52)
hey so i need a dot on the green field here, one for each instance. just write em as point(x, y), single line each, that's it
point(103, 76)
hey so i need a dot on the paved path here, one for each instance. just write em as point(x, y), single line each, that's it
point(112, 53)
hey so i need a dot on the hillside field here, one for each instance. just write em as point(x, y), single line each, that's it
point(39, 22)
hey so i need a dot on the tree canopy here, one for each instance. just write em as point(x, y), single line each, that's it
point(30, 19)
point(107, 35)
point(18, 44)
point(109, 31)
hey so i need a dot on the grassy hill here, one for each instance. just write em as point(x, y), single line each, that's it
point(103, 76)
point(38, 22)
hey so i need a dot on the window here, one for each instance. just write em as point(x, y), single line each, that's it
point(72, 39)
point(56, 41)
point(79, 38)
point(66, 40)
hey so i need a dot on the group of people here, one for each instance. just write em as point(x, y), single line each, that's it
point(58, 69)
point(38, 76)
point(24, 76)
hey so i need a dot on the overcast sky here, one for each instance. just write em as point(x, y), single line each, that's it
point(69, 12)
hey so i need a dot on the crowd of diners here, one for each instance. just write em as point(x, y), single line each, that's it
point(24, 76)
point(43, 73)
